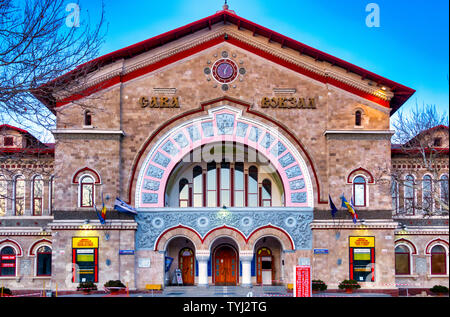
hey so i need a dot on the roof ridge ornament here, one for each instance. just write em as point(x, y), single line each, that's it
point(225, 7)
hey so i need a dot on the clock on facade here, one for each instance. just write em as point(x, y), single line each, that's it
point(225, 70)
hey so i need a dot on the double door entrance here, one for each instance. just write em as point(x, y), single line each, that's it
point(225, 266)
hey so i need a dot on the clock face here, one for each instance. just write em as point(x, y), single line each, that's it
point(225, 70)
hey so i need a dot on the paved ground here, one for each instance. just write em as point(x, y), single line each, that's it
point(226, 291)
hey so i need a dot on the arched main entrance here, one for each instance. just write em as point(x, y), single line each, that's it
point(225, 265)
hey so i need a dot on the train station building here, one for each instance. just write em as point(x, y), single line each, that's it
point(229, 140)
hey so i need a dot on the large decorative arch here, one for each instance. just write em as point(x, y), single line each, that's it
point(223, 123)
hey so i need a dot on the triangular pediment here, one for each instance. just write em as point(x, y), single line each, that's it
point(226, 27)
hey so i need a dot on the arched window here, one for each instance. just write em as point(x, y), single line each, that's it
point(394, 194)
point(197, 186)
point(402, 260)
point(44, 261)
point(87, 118)
point(358, 117)
point(438, 260)
point(86, 191)
point(427, 198)
point(359, 191)
point(225, 184)
point(252, 190)
point(7, 262)
point(38, 188)
point(211, 184)
point(444, 190)
point(239, 192)
point(410, 194)
point(266, 193)
point(3, 195)
point(19, 196)
point(183, 189)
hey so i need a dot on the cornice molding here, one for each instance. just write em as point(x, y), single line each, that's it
point(93, 225)
point(23, 231)
point(348, 224)
point(376, 132)
point(86, 131)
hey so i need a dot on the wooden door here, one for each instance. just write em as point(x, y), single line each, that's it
point(187, 266)
point(264, 266)
point(226, 266)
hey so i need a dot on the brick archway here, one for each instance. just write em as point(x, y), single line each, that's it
point(271, 231)
point(179, 231)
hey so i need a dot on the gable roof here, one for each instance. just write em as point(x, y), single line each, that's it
point(37, 147)
point(401, 93)
point(411, 145)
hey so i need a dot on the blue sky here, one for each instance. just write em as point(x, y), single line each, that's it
point(411, 46)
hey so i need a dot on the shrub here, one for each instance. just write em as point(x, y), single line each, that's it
point(439, 289)
point(116, 283)
point(345, 284)
point(87, 286)
point(5, 291)
point(319, 285)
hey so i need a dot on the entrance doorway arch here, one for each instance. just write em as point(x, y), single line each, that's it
point(225, 265)
point(264, 266)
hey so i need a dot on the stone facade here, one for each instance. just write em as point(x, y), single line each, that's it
point(323, 150)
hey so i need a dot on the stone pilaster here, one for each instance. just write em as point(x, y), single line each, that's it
point(246, 258)
point(202, 257)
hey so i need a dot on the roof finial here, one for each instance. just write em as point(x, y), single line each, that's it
point(225, 6)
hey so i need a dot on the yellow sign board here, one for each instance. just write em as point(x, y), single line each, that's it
point(84, 242)
point(159, 102)
point(288, 103)
point(85, 258)
point(362, 242)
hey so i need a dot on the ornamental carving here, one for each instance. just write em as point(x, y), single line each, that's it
point(295, 222)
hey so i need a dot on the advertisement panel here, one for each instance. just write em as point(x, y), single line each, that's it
point(302, 284)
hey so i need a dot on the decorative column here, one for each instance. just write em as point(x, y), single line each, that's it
point(10, 198)
point(45, 197)
point(202, 257)
point(28, 203)
point(246, 258)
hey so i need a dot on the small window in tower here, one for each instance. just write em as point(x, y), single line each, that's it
point(87, 118)
point(358, 115)
point(438, 142)
point(9, 141)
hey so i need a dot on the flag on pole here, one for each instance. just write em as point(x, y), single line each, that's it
point(349, 207)
point(333, 208)
point(102, 220)
point(103, 212)
point(122, 206)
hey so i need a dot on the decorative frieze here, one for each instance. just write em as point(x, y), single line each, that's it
point(153, 222)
